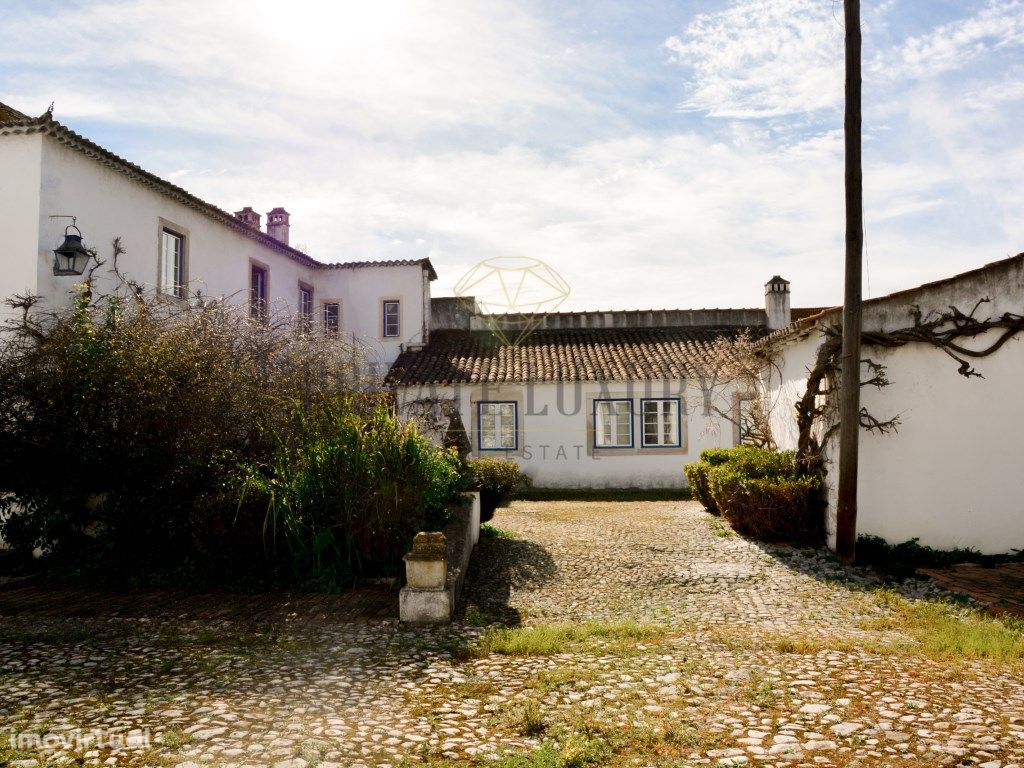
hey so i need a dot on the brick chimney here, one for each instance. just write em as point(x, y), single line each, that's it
point(776, 303)
point(248, 216)
point(277, 224)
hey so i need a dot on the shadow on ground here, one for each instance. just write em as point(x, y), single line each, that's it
point(500, 565)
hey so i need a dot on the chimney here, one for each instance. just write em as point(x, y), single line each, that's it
point(277, 224)
point(248, 216)
point(776, 303)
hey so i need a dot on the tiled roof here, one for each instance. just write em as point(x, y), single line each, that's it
point(10, 113)
point(596, 354)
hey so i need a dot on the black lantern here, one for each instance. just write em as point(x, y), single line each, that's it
point(71, 258)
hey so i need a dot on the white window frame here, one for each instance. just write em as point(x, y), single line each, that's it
point(385, 325)
point(336, 330)
point(599, 423)
point(659, 423)
point(172, 273)
point(499, 429)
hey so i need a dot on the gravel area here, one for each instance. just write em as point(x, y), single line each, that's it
point(761, 658)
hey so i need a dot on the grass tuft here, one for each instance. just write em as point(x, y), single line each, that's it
point(945, 631)
point(551, 639)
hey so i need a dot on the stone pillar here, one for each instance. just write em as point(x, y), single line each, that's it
point(426, 599)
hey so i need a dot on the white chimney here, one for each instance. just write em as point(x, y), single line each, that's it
point(776, 303)
point(277, 224)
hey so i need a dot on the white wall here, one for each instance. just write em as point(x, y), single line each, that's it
point(362, 292)
point(950, 476)
point(19, 214)
point(787, 382)
point(42, 178)
point(556, 449)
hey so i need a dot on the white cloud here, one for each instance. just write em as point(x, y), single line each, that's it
point(952, 46)
point(762, 58)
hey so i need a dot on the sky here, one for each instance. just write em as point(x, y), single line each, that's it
point(654, 154)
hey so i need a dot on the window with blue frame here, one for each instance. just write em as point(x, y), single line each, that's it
point(496, 426)
point(661, 422)
point(613, 423)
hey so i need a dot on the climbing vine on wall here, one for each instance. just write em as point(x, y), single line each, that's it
point(943, 330)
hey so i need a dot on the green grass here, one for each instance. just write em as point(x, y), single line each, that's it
point(720, 528)
point(946, 631)
point(488, 531)
point(551, 639)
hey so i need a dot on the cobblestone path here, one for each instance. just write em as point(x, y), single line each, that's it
point(763, 656)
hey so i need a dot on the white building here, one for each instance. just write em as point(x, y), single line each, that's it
point(184, 247)
point(587, 399)
point(950, 476)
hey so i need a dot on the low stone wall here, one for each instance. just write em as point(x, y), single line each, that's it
point(436, 567)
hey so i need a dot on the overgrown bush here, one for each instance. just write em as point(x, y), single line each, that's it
point(499, 479)
point(345, 493)
point(129, 425)
point(760, 492)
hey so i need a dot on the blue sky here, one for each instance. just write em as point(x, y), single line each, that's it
point(656, 154)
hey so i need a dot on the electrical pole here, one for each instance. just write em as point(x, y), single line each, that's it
point(849, 393)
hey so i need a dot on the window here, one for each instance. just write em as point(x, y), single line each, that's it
point(613, 423)
point(172, 264)
point(332, 318)
point(258, 292)
point(497, 426)
point(392, 319)
point(305, 307)
point(661, 423)
point(745, 422)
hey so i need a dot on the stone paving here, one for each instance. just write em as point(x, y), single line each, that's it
point(1000, 587)
point(763, 659)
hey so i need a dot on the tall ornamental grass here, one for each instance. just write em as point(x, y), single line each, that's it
point(345, 494)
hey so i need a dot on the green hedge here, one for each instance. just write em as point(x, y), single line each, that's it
point(498, 479)
point(759, 492)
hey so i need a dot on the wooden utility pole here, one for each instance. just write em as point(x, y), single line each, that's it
point(849, 393)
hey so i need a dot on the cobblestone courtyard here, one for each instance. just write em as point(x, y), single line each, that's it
point(750, 655)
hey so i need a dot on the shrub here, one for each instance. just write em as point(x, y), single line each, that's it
point(697, 477)
point(344, 496)
point(499, 479)
point(760, 492)
point(130, 426)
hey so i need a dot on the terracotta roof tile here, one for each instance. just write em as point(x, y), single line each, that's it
point(572, 354)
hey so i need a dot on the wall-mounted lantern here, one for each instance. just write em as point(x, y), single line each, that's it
point(71, 258)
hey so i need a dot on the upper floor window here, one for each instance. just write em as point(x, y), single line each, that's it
point(305, 307)
point(392, 318)
point(258, 292)
point(172, 264)
point(332, 318)
point(661, 423)
point(497, 426)
point(613, 423)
